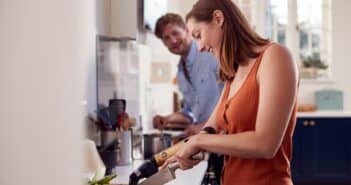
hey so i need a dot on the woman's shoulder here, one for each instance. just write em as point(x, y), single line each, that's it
point(276, 51)
point(277, 59)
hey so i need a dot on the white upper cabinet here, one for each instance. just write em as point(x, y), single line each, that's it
point(124, 18)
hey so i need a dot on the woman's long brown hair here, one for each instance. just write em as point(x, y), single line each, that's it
point(239, 39)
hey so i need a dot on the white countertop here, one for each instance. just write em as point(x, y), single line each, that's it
point(324, 114)
point(156, 131)
point(188, 177)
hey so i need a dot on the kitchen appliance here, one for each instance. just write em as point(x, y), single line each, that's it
point(155, 143)
point(329, 99)
point(167, 174)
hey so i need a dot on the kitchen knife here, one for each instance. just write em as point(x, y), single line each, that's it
point(167, 174)
point(150, 167)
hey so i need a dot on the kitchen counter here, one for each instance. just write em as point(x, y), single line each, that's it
point(188, 177)
point(324, 114)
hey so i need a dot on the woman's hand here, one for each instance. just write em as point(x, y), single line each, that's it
point(170, 160)
point(184, 155)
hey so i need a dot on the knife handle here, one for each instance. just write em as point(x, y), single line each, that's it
point(161, 157)
point(199, 156)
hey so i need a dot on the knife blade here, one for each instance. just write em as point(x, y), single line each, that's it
point(167, 174)
point(163, 176)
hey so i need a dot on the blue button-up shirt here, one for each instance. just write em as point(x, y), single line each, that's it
point(202, 94)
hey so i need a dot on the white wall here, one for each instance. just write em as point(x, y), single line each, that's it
point(185, 6)
point(44, 50)
point(341, 47)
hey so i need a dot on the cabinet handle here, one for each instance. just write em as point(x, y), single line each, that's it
point(313, 123)
point(305, 123)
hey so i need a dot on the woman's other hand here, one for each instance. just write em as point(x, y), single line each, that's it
point(184, 155)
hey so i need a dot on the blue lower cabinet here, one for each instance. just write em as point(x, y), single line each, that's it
point(322, 151)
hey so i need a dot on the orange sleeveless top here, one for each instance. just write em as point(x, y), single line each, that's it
point(238, 114)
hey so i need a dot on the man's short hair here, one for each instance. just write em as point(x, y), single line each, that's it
point(169, 18)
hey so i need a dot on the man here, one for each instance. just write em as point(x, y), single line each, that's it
point(197, 77)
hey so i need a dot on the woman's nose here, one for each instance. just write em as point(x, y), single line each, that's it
point(201, 47)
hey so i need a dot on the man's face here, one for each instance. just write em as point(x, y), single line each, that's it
point(176, 38)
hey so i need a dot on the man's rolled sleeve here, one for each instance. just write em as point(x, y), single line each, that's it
point(186, 111)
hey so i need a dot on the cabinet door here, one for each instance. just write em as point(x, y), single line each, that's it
point(332, 156)
point(303, 151)
point(322, 150)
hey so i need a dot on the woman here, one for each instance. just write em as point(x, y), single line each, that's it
point(257, 108)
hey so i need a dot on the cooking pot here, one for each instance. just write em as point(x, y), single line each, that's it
point(116, 149)
point(155, 143)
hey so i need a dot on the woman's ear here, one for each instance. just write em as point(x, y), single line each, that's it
point(218, 17)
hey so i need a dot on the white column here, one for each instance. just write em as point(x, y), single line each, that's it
point(45, 47)
point(292, 33)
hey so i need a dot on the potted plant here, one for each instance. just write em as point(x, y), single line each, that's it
point(312, 66)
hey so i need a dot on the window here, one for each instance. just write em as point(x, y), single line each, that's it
point(302, 25)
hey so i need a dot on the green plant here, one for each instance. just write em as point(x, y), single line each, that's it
point(313, 61)
point(104, 181)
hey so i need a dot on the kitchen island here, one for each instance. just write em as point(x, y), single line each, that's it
point(188, 177)
point(322, 148)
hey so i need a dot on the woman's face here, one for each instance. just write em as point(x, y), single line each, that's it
point(207, 35)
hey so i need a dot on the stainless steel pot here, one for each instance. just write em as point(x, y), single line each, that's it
point(155, 143)
point(116, 148)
